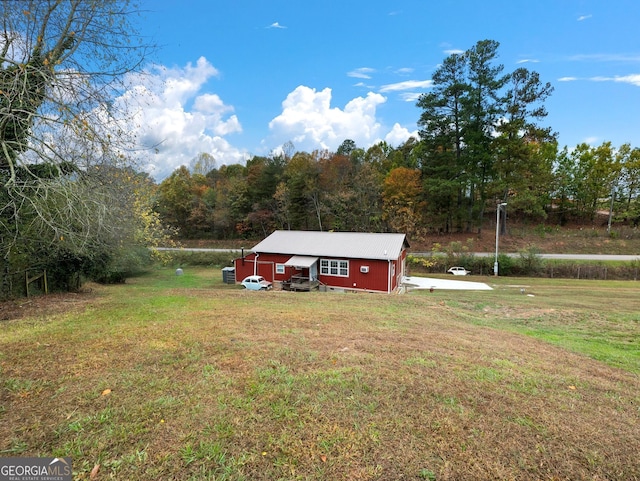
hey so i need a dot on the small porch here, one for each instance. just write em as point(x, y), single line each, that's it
point(304, 274)
point(300, 283)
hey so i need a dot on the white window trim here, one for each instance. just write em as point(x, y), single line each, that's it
point(280, 268)
point(328, 266)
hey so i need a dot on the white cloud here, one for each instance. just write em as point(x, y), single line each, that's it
point(210, 103)
point(175, 117)
point(608, 57)
point(174, 121)
point(276, 25)
point(633, 79)
point(213, 109)
point(181, 84)
point(363, 72)
point(399, 135)
point(449, 49)
point(528, 60)
point(407, 85)
point(581, 18)
point(309, 121)
point(410, 96)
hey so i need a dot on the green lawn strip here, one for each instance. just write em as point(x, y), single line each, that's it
point(598, 319)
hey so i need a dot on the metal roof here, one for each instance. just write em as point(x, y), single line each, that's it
point(354, 245)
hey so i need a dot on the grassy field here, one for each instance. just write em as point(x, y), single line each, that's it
point(183, 377)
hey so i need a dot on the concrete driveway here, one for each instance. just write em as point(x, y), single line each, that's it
point(447, 284)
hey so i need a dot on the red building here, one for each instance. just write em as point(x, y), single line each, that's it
point(306, 260)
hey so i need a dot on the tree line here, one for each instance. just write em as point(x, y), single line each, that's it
point(481, 142)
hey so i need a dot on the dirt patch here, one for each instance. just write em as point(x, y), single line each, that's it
point(45, 305)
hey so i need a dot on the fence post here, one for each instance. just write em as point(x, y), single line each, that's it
point(28, 280)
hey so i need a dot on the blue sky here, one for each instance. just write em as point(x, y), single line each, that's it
point(238, 78)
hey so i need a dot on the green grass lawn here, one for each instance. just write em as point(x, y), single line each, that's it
point(595, 318)
point(183, 377)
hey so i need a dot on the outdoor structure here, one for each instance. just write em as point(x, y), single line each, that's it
point(306, 260)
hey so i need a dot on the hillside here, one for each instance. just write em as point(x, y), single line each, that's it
point(588, 238)
point(574, 239)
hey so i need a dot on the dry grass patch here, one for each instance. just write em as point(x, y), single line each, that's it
point(170, 378)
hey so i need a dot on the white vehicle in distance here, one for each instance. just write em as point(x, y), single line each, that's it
point(458, 271)
point(256, 283)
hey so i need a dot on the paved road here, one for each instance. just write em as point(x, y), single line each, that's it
point(197, 249)
point(590, 257)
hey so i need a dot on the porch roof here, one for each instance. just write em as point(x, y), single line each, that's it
point(301, 261)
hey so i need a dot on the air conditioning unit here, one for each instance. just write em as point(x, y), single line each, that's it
point(364, 269)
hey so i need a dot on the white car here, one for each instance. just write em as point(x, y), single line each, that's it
point(256, 283)
point(458, 271)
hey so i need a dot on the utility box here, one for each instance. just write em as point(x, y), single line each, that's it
point(229, 275)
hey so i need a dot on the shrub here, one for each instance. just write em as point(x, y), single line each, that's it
point(530, 261)
point(420, 262)
point(505, 265)
point(117, 267)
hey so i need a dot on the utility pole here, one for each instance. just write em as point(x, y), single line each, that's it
point(613, 197)
point(498, 208)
